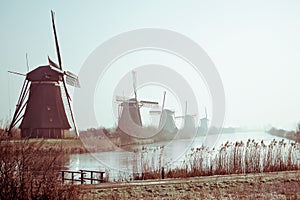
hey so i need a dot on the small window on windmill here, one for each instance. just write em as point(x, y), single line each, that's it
point(48, 108)
point(50, 119)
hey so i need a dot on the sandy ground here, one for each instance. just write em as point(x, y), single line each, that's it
point(274, 185)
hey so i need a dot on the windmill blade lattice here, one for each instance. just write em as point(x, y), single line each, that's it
point(148, 104)
point(72, 79)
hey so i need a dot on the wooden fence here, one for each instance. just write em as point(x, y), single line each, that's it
point(83, 176)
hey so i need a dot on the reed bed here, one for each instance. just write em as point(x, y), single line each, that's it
point(149, 162)
point(230, 158)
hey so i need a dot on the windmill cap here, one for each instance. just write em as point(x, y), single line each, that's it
point(43, 73)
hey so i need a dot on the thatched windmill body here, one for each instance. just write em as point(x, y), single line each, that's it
point(40, 107)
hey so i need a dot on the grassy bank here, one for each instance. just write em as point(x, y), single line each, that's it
point(65, 145)
point(69, 146)
point(273, 185)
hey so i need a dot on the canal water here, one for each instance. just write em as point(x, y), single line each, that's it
point(123, 163)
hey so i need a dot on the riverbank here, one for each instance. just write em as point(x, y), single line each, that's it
point(291, 135)
point(272, 185)
point(80, 145)
point(69, 146)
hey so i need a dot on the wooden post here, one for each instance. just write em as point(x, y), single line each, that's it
point(82, 177)
point(91, 177)
point(63, 177)
point(162, 173)
point(72, 177)
point(101, 176)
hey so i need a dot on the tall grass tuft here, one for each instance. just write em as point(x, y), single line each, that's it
point(147, 163)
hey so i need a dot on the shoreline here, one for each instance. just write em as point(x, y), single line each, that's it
point(290, 135)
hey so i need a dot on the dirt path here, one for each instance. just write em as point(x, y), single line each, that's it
point(274, 185)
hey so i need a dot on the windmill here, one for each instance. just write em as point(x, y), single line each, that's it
point(166, 126)
point(166, 119)
point(40, 105)
point(129, 109)
point(189, 128)
point(202, 130)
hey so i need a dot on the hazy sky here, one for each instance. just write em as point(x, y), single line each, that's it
point(255, 46)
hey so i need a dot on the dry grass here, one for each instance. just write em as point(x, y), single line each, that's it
point(149, 162)
point(28, 171)
point(231, 158)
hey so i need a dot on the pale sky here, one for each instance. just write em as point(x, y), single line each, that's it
point(255, 46)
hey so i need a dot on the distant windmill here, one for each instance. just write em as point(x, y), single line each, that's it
point(129, 108)
point(166, 119)
point(41, 98)
point(189, 128)
point(203, 129)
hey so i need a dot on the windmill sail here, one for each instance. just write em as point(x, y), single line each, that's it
point(72, 79)
point(56, 40)
point(60, 67)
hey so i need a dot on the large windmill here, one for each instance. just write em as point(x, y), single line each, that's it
point(40, 106)
point(129, 109)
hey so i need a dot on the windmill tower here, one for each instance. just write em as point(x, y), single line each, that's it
point(40, 107)
point(129, 109)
